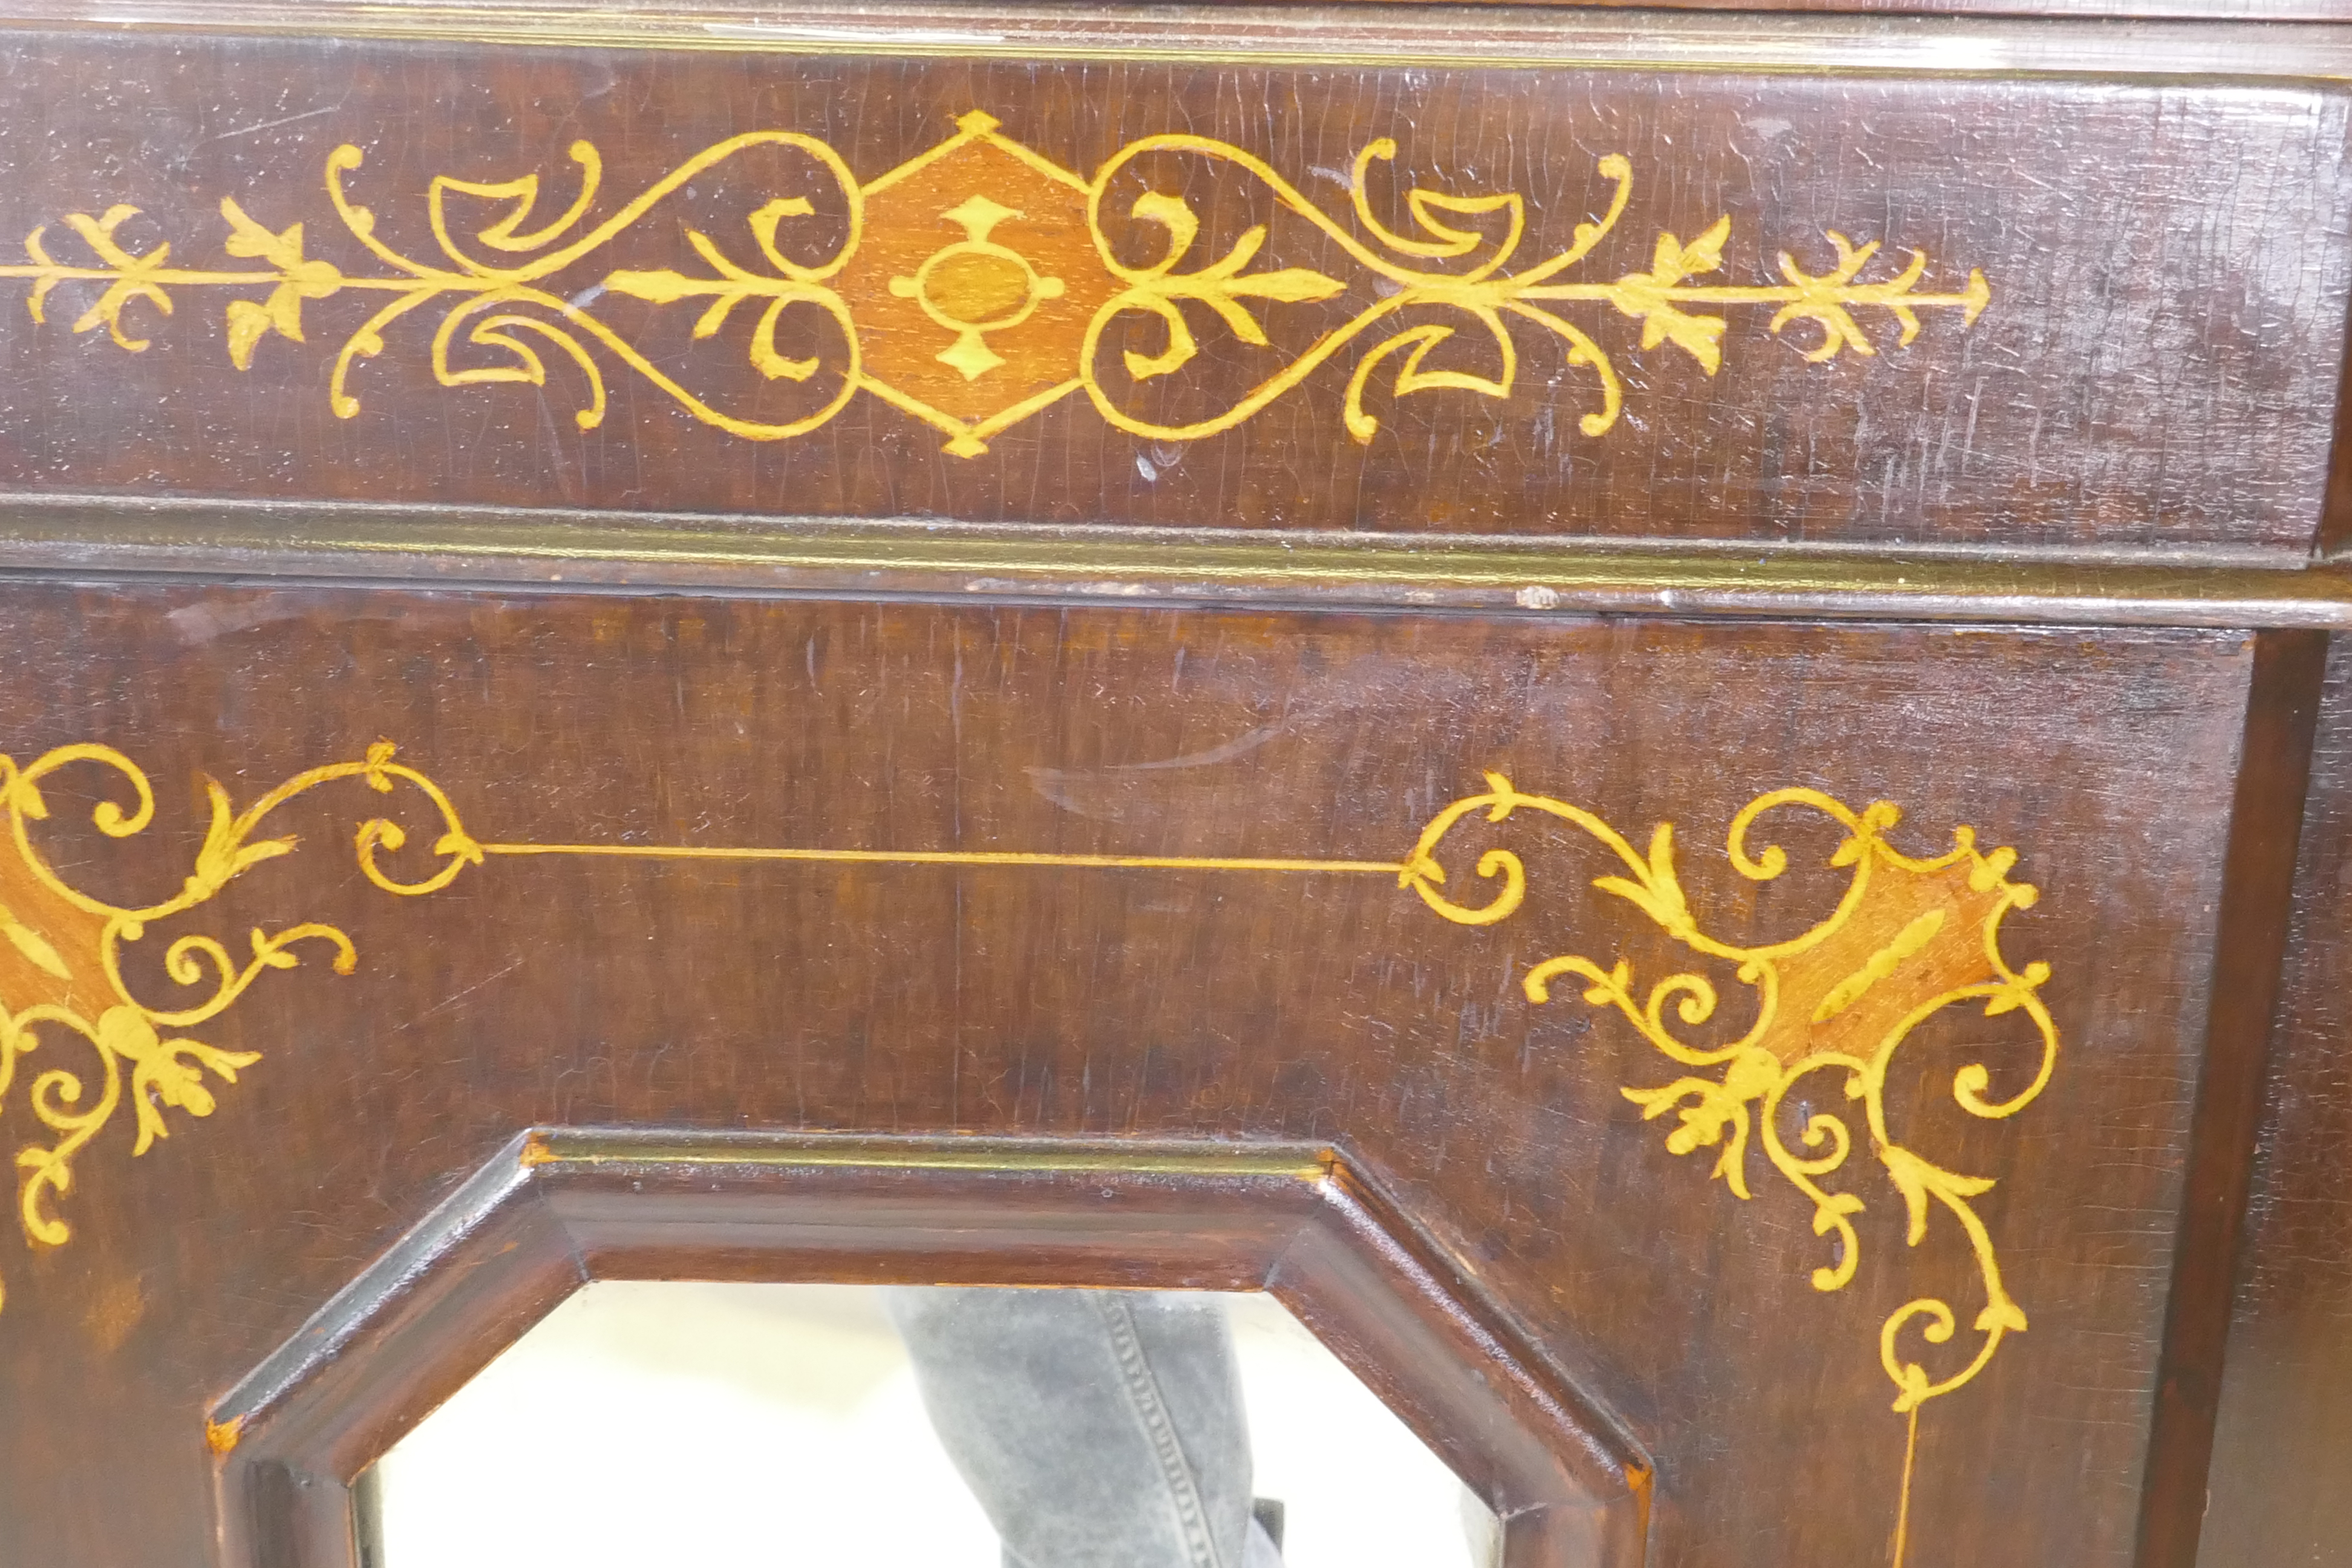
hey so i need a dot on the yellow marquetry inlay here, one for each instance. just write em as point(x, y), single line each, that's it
point(980, 283)
point(61, 971)
point(974, 288)
point(1909, 938)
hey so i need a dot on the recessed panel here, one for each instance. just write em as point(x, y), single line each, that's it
point(1138, 291)
point(1802, 1021)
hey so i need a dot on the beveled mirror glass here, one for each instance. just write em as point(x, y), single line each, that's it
point(691, 1424)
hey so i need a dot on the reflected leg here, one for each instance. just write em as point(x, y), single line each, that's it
point(1097, 1428)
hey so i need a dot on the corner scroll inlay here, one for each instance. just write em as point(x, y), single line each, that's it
point(61, 971)
point(1908, 938)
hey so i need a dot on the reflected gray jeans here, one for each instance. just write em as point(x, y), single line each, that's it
point(1097, 1429)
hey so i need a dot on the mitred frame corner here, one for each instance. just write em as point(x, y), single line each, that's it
point(558, 1208)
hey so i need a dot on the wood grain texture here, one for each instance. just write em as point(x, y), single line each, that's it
point(2158, 369)
point(2266, 821)
point(558, 1207)
point(543, 549)
point(2241, 38)
point(2283, 1439)
point(1010, 1001)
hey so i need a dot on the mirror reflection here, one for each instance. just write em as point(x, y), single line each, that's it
point(668, 1423)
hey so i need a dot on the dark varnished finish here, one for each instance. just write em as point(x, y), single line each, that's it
point(2168, 266)
point(2239, 37)
point(1015, 1002)
point(556, 1209)
point(2266, 820)
point(2064, 575)
point(2285, 1436)
point(542, 549)
point(2335, 509)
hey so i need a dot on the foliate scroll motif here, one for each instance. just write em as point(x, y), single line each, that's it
point(489, 287)
point(974, 286)
point(64, 998)
point(1834, 1005)
point(1908, 938)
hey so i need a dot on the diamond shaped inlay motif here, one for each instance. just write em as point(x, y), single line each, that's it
point(976, 275)
point(979, 282)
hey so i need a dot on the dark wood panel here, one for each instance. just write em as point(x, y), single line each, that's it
point(1079, 1000)
point(556, 1207)
point(2284, 1442)
point(2266, 820)
point(2303, 38)
point(2163, 268)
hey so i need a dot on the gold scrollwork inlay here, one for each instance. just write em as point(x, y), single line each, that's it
point(62, 969)
point(1908, 938)
point(877, 292)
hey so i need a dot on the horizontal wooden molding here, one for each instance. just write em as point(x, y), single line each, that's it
point(545, 551)
point(2302, 40)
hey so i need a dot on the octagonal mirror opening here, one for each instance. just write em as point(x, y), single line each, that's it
point(918, 1426)
point(1120, 1229)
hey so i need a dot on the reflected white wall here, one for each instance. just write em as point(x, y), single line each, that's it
point(707, 1425)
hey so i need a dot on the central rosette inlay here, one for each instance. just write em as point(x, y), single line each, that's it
point(975, 287)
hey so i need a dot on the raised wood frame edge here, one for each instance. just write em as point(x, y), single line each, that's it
point(533, 551)
point(557, 1208)
point(2256, 910)
point(2168, 37)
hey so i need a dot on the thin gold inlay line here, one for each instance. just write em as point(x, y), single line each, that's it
point(951, 858)
point(1910, 938)
point(1903, 1507)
